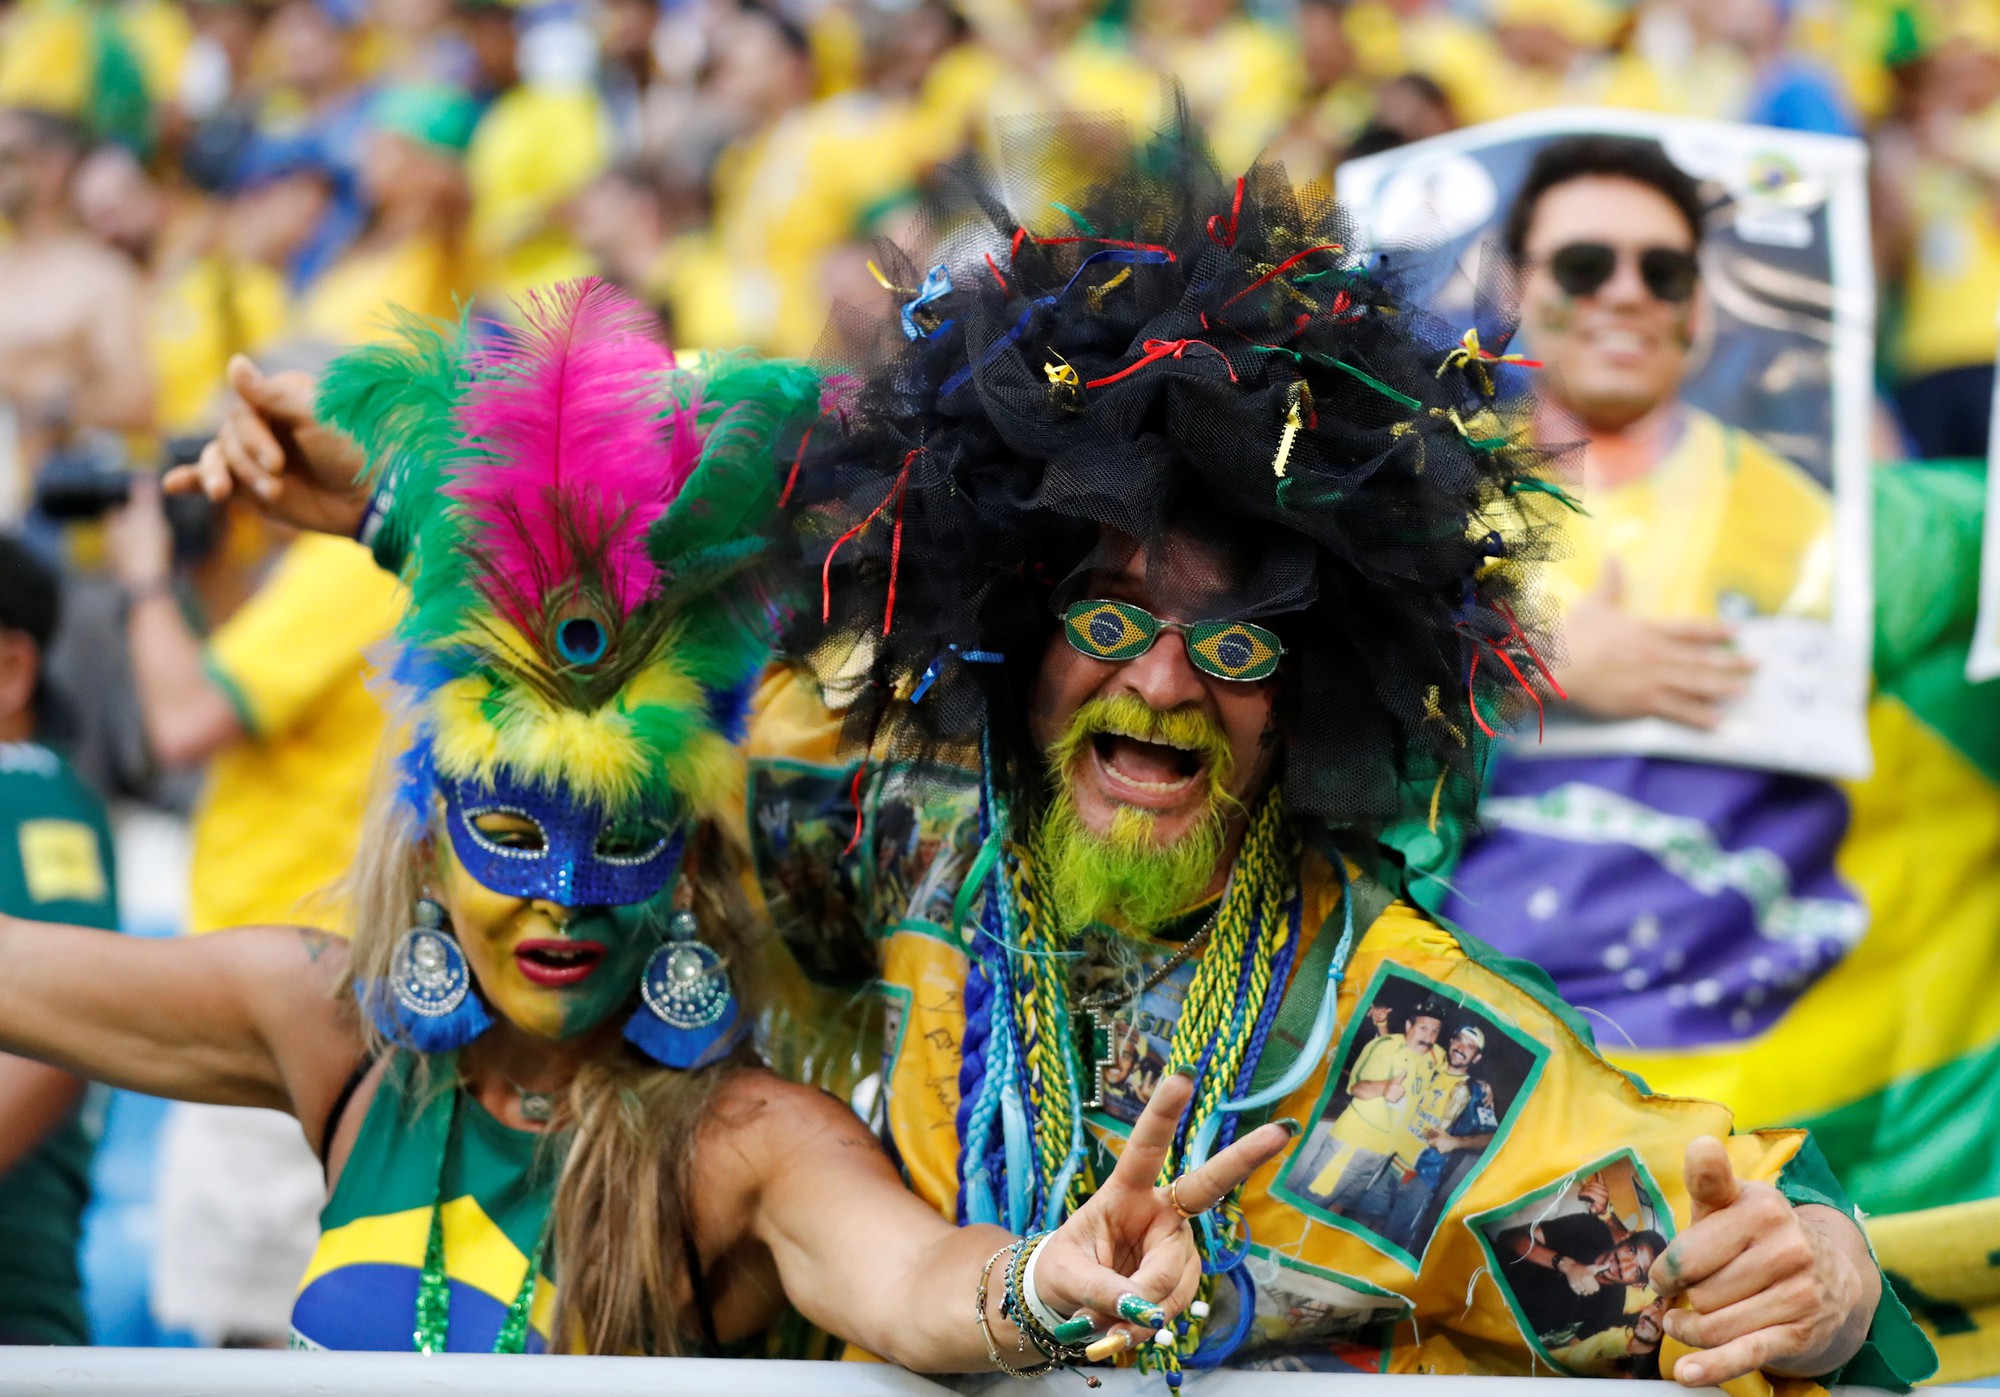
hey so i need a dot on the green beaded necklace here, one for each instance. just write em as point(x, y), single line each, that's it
point(434, 1291)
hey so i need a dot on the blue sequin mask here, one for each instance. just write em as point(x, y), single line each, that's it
point(587, 858)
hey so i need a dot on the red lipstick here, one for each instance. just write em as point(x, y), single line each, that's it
point(556, 964)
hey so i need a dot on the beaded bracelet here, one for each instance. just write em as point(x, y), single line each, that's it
point(986, 1325)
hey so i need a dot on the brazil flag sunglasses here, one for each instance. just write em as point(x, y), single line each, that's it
point(1117, 630)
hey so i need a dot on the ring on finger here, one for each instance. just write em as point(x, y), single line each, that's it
point(1174, 1201)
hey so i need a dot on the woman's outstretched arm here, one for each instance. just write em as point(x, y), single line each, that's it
point(236, 1018)
point(865, 1259)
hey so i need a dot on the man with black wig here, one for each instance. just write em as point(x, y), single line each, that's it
point(1158, 556)
point(1161, 555)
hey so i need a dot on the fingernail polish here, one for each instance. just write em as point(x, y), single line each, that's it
point(1073, 1331)
point(1185, 1070)
point(1110, 1346)
point(1289, 1125)
point(1135, 1309)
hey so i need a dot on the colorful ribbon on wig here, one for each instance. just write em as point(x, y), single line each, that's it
point(1471, 357)
point(976, 657)
point(1225, 236)
point(1155, 351)
point(1298, 397)
point(1281, 269)
point(895, 496)
point(1117, 252)
point(937, 285)
point(1514, 638)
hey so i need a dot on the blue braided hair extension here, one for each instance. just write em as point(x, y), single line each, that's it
point(1215, 1349)
point(1019, 1108)
point(1056, 1206)
point(972, 1130)
point(976, 1106)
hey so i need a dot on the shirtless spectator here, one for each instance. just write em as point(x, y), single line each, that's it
point(72, 315)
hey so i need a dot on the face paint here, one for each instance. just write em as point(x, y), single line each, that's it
point(551, 968)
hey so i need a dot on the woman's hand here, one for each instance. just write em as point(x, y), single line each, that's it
point(1129, 1238)
point(293, 467)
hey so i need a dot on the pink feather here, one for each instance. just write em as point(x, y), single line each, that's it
point(584, 448)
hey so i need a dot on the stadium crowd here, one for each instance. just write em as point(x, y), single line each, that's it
point(201, 200)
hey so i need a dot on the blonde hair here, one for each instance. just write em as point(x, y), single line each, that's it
point(620, 1228)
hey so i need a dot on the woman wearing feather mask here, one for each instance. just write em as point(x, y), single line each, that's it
point(527, 1072)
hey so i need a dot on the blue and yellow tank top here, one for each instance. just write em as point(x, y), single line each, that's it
point(360, 1289)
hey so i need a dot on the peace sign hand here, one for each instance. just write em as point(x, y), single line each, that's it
point(1129, 1239)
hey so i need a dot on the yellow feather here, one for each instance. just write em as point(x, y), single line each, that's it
point(597, 755)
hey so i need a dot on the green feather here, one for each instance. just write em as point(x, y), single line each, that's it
point(397, 399)
point(747, 406)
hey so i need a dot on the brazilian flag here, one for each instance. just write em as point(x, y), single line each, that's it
point(1809, 952)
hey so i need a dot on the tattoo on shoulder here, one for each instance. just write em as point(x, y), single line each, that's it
point(315, 941)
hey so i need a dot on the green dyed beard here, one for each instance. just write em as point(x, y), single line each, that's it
point(1124, 877)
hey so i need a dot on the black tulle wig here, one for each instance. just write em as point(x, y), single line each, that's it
point(1108, 344)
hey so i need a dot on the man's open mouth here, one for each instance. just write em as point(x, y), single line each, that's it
point(1147, 767)
point(554, 964)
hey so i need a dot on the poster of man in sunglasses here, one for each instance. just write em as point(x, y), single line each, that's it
point(1691, 305)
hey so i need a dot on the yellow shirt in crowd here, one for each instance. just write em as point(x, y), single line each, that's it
point(280, 814)
point(972, 88)
point(1953, 281)
point(351, 303)
point(535, 148)
point(1244, 81)
point(48, 51)
point(782, 203)
point(1723, 525)
point(213, 308)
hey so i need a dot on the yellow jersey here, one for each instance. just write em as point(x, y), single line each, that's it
point(212, 308)
point(1953, 280)
point(280, 814)
point(1723, 525)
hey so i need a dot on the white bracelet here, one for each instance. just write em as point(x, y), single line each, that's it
point(1037, 1307)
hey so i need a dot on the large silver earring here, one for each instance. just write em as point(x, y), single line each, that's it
point(431, 1005)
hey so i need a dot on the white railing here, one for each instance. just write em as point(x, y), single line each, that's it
point(112, 1372)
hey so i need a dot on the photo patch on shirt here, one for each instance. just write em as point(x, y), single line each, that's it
point(1572, 1259)
point(61, 861)
point(1308, 1313)
point(1427, 1085)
